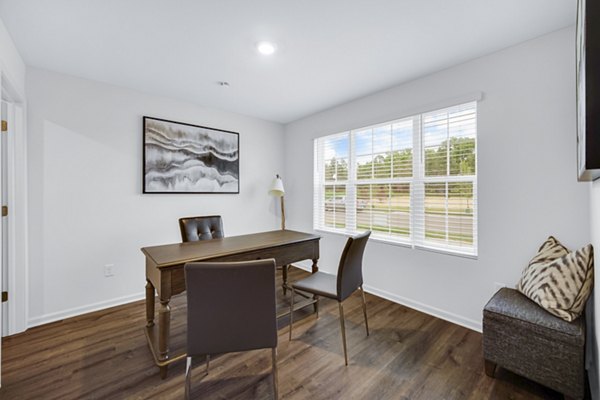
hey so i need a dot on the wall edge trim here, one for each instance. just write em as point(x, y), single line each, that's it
point(416, 305)
point(86, 309)
point(427, 309)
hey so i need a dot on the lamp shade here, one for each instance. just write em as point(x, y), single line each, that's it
point(277, 187)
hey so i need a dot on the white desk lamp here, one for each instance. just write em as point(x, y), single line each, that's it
point(278, 191)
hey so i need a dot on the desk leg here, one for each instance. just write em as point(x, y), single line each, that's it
point(315, 269)
point(164, 326)
point(149, 304)
point(284, 273)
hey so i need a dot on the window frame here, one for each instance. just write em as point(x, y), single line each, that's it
point(416, 238)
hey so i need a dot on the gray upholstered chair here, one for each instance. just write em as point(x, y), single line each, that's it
point(231, 308)
point(201, 228)
point(349, 278)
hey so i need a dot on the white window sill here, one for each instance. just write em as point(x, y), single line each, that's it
point(405, 245)
point(447, 252)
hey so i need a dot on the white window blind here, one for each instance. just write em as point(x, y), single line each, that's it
point(410, 181)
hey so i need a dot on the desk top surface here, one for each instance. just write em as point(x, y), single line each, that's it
point(179, 253)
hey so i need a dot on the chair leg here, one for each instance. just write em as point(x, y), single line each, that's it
point(275, 373)
point(317, 306)
point(343, 326)
point(364, 305)
point(292, 312)
point(188, 378)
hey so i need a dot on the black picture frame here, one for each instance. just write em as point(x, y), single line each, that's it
point(588, 90)
point(183, 158)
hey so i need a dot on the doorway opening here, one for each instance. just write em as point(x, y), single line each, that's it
point(13, 212)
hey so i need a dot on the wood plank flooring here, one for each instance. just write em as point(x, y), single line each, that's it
point(409, 355)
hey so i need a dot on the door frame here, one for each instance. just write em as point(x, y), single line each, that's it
point(17, 232)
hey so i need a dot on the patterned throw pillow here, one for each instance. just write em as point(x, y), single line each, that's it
point(558, 280)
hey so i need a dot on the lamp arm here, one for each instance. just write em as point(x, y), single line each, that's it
point(282, 214)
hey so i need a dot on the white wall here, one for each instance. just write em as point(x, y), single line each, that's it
point(595, 233)
point(11, 63)
point(526, 179)
point(86, 206)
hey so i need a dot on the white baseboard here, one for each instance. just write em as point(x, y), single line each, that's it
point(73, 312)
point(427, 309)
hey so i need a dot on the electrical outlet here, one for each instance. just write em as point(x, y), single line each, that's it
point(109, 270)
point(498, 286)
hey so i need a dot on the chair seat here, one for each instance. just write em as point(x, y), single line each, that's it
point(319, 283)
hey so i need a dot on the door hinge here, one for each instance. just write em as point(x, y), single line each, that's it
point(4, 296)
point(4, 211)
point(4, 126)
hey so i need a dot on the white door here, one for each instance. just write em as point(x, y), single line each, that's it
point(3, 280)
point(7, 112)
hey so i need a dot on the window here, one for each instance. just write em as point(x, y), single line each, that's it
point(410, 181)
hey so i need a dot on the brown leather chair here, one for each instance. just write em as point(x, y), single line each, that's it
point(201, 228)
point(349, 279)
point(211, 227)
point(231, 308)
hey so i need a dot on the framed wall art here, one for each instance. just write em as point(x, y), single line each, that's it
point(588, 89)
point(185, 158)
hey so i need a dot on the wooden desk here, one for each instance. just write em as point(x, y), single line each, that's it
point(164, 273)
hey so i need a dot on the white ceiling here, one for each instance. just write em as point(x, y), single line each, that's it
point(329, 51)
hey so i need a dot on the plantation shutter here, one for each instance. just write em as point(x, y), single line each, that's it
point(383, 173)
point(331, 179)
point(445, 186)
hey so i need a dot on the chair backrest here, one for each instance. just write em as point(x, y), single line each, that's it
point(231, 306)
point(201, 228)
point(349, 276)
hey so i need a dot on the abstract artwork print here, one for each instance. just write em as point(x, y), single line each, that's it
point(185, 158)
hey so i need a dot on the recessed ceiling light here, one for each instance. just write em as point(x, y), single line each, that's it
point(266, 48)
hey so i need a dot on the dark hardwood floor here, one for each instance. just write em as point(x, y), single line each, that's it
point(409, 355)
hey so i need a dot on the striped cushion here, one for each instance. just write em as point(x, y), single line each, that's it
point(559, 280)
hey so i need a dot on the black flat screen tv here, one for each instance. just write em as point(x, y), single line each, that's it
point(588, 89)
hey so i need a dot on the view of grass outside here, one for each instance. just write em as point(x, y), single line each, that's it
point(446, 219)
point(385, 208)
point(449, 212)
point(335, 206)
